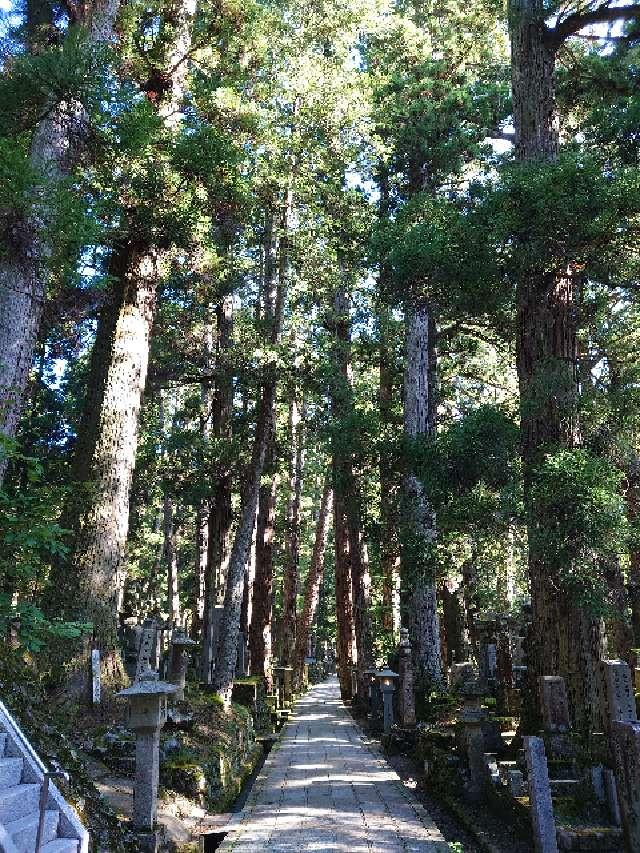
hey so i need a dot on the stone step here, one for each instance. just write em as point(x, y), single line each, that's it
point(61, 845)
point(23, 832)
point(10, 771)
point(19, 801)
point(591, 839)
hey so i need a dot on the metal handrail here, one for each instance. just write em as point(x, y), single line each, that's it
point(22, 737)
point(47, 775)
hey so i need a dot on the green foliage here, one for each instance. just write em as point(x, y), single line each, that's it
point(578, 521)
point(468, 464)
point(30, 537)
point(536, 219)
point(34, 82)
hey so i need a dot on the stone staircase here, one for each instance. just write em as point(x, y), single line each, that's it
point(22, 777)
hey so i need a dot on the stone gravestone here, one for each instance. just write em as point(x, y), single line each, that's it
point(492, 660)
point(95, 676)
point(147, 646)
point(625, 737)
point(554, 703)
point(619, 703)
point(542, 820)
point(241, 667)
point(406, 699)
point(461, 673)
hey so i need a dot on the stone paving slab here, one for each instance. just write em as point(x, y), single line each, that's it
point(323, 789)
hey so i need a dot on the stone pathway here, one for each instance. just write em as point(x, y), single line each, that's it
point(323, 789)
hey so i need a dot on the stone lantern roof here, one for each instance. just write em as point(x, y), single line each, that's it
point(148, 684)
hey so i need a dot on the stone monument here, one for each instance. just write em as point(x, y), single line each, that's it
point(542, 819)
point(406, 698)
point(554, 704)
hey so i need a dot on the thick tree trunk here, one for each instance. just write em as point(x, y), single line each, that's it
point(419, 530)
point(567, 640)
point(85, 586)
point(220, 510)
point(56, 147)
point(312, 585)
point(290, 580)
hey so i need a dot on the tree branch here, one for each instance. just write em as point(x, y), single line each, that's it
point(601, 15)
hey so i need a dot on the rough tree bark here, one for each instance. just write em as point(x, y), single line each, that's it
point(418, 532)
point(57, 144)
point(86, 586)
point(567, 640)
point(290, 580)
point(228, 646)
point(312, 585)
point(220, 510)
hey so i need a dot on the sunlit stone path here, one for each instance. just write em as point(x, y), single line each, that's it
point(323, 789)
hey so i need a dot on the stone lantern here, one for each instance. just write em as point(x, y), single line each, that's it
point(370, 680)
point(147, 715)
point(386, 679)
point(472, 718)
point(178, 659)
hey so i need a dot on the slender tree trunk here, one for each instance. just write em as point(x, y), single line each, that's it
point(419, 530)
point(389, 481)
point(347, 496)
point(260, 639)
point(313, 584)
point(633, 512)
point(290, 580)
point(453, 623)
point(220, 510)
point(389, 489)
point(202, 507)
point(260, 629)
point(345, 637)
point(228, 647)
point(567, 640)
point(170, 558)
point(56, 147)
